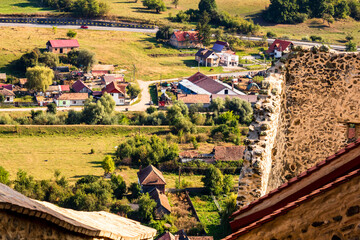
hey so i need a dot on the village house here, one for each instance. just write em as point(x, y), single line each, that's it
point(249, 98)
point(71, 99)
point(43, 101)
point(24, 218)
point(100, 70)
point(80, 87)
point(22, 82)
point(190, 99)
point(62, 46)
point(221, 47)
point(279, 47)
point(213, 86)
point(118, 92)
point(321, 201)
point(7, 86)
point(185, 39)
point(9, 95)
point(150, 178)
point(207, 58)
point(228, 59)
point(162, 203)
point(188, 87)
point(219, 153)
point(108, 78)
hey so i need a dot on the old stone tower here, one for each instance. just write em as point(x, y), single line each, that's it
point(312, 110)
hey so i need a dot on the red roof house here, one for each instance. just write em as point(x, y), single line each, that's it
point(101, 70)
point(185, 39)
point(7, 86)
point(322, 201)
point(118, 92)
point(62, 46)
point(150, 177)
point(64, 88)
point(80, 87)
point(278, 47)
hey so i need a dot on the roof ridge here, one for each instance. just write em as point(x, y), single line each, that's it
point(295, 204)
point(299, 177)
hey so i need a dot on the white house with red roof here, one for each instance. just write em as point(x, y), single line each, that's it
point(278, 47)
point(118, 92)
point(185, 39)
point(62, 46)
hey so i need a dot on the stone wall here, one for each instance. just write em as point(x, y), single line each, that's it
point(320, 218)
point(312, 99)
point(321, 98)
point(16, 226)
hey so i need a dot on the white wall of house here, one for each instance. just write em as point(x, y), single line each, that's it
point(277, 54)
point(118, 98)
point(8, 99)
point(230, 60)
point(77, 102)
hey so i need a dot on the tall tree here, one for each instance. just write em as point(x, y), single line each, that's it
point(164, 33)
point(207, 6)
point(108, 164)
point(4, 176)
point(39, 78)
point(157, 5)
point(86, 59)
point(146, 207)
point(176, 3)
point(203, 28)
point(213, 180)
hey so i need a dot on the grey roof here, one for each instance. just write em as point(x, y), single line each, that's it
point(193, 87)
point(204, 53)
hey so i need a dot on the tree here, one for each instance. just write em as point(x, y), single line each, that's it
point(118, 185)
point(157, 5)
point(241, 108)
point(86, 59)
point(71, 34)
point(146, 207)
point(228, 183)
point(2, 98)
point(217, 104)
point(49, 59)
point(51, 108)
point(108, 164)
point(164, 33)
point(351, 46)
point(203, 28)
point(176, 3)
point(133, 90)
point(4, 176)
point(228, 210)
point(213, 180)
point(349, 38)
point(328, 18)
point(135, 190)
point(207, 6)
point(39, 78)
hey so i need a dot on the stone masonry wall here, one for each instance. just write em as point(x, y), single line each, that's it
point(16, 226)
point(321, 98)
point(334, 215)
point(312, 99)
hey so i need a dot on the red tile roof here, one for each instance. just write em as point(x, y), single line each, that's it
point(292, 205)
point(228, 153)
point(194, 98)
point(22, 81)
point(115, 88)
point(280, 45)
point(166, 236)
point(184, 36)
point(65, 88)
point(6, 92)
point(150, 176)
point(73, 96)
point(160, 199)
point(64, 43)
point(7, 86)
point(313, 181)
point(79, 85)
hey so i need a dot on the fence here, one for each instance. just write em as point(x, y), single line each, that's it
point(70, 21)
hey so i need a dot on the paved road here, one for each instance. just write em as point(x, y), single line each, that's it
point(140, 106)
point(271, 40)
point(143, 30)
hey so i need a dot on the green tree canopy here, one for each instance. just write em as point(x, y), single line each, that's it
point(146, 207)
point(118, 185)
point(203, 28)
point(4, 176)
point(133, 90)
point(71, 33)
point(213, 180)
point(164, 33)
point(208, 6)
point(39, 78)
point(241, 108)
point(108, 164)
point(99, 112)
point(351, 46)
point(157, 5)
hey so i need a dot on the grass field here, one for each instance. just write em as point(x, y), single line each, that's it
point(21, 6)
point(40, 150)
point(124, 49)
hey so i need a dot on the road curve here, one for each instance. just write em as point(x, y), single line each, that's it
point(97, 28)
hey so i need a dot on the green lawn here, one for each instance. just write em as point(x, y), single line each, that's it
point(121, 48)
point(21, 6)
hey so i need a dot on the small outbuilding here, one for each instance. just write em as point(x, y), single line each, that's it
point(62, 46)
point(71, 99)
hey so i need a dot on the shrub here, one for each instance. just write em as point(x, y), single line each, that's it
point(315, 38)
point(270, 34)
point(4, 176)
point(71, 34)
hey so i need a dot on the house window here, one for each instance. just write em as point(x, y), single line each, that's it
point(61, 50)
point(83, 102)
point(74, 102)
point(112, 94)
point(226, 91)
point(8, 99)
point(64, 102)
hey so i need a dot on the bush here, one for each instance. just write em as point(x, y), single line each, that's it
point(71, 34)
point(270, 34)
point(315, 38)
point(4, 176)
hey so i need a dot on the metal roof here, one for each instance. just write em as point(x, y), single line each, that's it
point(193, 87)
